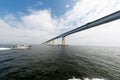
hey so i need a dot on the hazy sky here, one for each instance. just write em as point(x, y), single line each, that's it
point(35, 21)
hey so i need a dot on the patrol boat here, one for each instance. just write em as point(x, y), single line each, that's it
point(22, 47)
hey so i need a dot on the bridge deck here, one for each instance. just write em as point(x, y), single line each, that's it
point(106, 19)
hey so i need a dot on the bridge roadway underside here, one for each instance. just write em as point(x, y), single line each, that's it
point(106, 19)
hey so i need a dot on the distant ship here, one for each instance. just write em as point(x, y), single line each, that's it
point(22, 47)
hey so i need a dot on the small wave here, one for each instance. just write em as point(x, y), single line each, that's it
point(6, 60)
point(5, 48)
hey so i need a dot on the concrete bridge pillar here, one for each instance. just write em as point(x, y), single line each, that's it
point(52, 42)
point(63, 40)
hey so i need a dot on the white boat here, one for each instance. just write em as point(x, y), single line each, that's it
point(21, 47)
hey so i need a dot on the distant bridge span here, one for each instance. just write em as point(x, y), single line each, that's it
point(106, 19)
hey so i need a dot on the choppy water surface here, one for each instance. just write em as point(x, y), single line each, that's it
point(60, 63)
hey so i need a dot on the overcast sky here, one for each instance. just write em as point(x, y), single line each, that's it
point(35, 21)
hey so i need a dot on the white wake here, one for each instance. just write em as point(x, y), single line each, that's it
point(85, 79)
point(5, 48)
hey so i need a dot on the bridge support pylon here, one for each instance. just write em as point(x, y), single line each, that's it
point(63, 40)
point(52, 42)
